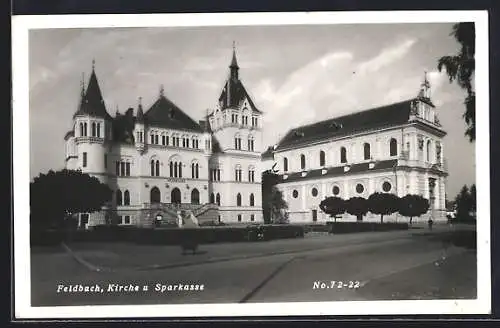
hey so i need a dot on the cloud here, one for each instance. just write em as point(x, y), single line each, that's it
point(334, 85)
point(386, 57)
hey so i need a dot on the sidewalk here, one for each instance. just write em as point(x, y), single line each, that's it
point(123, 256)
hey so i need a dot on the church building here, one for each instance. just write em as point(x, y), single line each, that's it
point(397, 148)
point(158, 160)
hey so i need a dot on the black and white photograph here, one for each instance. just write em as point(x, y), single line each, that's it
point(258, 164)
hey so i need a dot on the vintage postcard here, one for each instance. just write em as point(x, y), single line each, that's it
point(256, 164)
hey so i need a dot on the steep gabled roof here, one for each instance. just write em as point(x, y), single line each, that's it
point(92, 102)
point(237, 94)
point(234, 93)
point(164, 113)
point(375, 118)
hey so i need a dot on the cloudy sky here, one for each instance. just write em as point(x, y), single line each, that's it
point(295, 74)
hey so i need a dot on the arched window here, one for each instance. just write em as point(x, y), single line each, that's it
point(93, 129)
point(343, 155)
point(393, 147)
point(194, 170)
point(237, 142)
point(180, 169)
point(428, 151)
point(171, 169)
point(212, 198)
point(152, 164)
point(81, 130)
point(157, 165)
point(238, 199)
point(119, 200)
point(155, 195)
point(175, 169)
point(252, 200)
point(218, 199)
point(85, 129)
point(303, 162)
point(285, 164)
point(98, 130)
point(126, 198)
point(195, 196)
point(321, 158)
point(366, 151)
point(250, 143)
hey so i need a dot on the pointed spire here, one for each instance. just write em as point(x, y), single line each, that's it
point(93, 64)
point(140, 113)
point(162, 90)
point(234, 65)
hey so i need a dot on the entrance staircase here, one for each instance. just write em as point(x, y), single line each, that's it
point(178, 215)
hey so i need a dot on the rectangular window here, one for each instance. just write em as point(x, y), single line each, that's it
point(239, 217)
point(126, 219)
point(117, 168)
point(315, 215)
point(122, 168)
point(252, 217)
point(152, 139)
point(105, 161)
point(84, 159)
point(156, 139)
point(218, 174)
point(163, 140)
point(127, 169)
point(166, 140)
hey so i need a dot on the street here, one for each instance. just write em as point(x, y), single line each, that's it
point(413, 264)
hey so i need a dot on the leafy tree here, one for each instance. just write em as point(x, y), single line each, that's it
point(460, 68)
point(333, 206)
point(383, 204)
point(465, 203)
point(473, 198)
point(413, 206)
point(56, 196)
point(273, 203)
point(357, 206)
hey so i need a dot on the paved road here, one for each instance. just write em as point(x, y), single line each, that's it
point(394, 265)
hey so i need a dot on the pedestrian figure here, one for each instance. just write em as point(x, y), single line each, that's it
point(430, 222)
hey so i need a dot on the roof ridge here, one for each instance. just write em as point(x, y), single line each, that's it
point(354, 113)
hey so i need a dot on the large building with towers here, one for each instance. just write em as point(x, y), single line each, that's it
point(158, 160)
point(397, 148)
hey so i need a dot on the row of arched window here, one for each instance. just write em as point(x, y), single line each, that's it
point(122, 199)
point(174, 140)
point(95, 129)
point(175, 169)
point(367, 155)
point(251, 201)
point(250, 142)
point(215, 199)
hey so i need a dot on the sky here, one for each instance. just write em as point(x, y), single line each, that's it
point(295, 75)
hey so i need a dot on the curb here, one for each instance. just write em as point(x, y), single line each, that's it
point(83, 262)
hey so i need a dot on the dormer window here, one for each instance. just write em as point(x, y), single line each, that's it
point(336, 125)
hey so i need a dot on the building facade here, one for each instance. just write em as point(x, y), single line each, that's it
point(159, 160)
point(396, 148)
